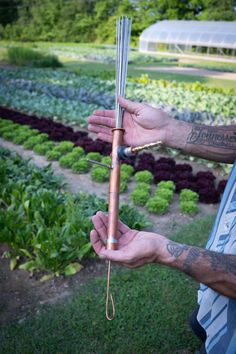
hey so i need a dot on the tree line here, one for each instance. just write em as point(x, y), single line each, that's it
point(94, 20)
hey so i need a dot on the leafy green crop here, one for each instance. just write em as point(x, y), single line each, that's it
point(46, 228)
point(164, 193)
point(188, 207)
point(167, 184)
point(127, 169)
point(157, 205)
point(81, 166)
point(100, 174)
point(53, 155)
point(186, 195)
point(94, 156)
point(143, 176)
point(64, 147)
point(42, 149)
point(35, 140)
point(140, 197)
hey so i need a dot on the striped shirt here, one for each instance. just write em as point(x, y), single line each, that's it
point(217, 313)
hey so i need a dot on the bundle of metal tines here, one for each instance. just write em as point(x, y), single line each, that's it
point(123, 31)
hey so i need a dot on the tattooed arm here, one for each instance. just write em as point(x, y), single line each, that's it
point(217, 143)
point(144, 124)
point(137, 248)
point(214, 269)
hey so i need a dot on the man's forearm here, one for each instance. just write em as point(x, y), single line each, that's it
point(208, 142)
point(214, 269)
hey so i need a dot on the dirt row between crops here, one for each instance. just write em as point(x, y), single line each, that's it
point(22, 294)
point(190, 71)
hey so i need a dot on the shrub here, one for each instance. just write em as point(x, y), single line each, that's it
point(167, 185)
point(188, 207)
point(81, 166)
point(164, 193)
point(64, 147)
point(53, 155)
point(100, 174)
point(157, 205)
point(94, 156)
point(186, 195)
point(144, 176)
point(140, 197)
point(34, 140)
point(123, 186)
point(42, 149)
point(127, 169)
point(29, 57)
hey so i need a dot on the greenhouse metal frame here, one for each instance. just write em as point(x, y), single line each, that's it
point(211, 37)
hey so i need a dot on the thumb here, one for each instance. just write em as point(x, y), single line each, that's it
point(130, 106)
point(115, 256)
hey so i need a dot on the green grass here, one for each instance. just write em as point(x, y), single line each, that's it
point(209, 65)
point(152, 304)
point(106, 71)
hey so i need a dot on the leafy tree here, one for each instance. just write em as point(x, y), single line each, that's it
point(219, 10)
point(94, 20)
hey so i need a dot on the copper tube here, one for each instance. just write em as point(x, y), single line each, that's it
point(114, 190)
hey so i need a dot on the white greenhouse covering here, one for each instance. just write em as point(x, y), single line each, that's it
point(209, 34)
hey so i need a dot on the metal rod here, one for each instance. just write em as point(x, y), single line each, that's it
point(123, 30)
point(99, 163)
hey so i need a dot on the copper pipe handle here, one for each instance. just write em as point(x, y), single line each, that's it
point(114, 190)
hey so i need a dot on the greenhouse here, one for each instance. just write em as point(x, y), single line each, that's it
point(190, 37)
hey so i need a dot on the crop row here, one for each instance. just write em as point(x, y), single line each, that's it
point(72, 101)
point(71, 79)
point(46, 227)
point(162, 169)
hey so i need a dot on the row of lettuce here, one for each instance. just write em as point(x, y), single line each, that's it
point(71, 155)
point(71, 98)
point(46, 227)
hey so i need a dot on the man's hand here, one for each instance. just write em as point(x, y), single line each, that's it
point(143, 124)
point(134, 248)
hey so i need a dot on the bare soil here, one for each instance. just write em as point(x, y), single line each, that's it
point(22, 294)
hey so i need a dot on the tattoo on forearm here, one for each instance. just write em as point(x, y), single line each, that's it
point(192, 256)
point(213, 137)
point(218, 262)
point(222, 262)
point(176, 249)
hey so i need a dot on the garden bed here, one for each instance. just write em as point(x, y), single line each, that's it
point(28, 291)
